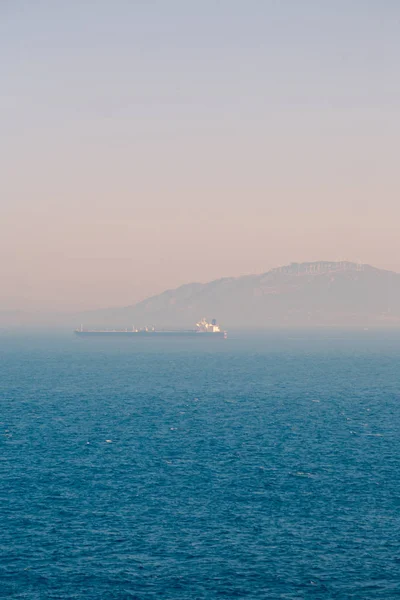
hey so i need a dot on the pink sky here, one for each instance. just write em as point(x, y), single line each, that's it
point(149, 148)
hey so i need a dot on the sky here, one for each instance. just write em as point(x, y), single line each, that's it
point(150, 143)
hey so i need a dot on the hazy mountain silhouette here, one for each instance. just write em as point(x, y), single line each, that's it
point(300, 294)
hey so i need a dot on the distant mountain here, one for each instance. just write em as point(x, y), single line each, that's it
point(316, 293)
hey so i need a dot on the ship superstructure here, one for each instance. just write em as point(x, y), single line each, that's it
point(204, 326)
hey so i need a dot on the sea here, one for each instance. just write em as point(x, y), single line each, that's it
point(262, 466)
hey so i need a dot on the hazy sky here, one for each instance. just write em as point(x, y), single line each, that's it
point(149, 143)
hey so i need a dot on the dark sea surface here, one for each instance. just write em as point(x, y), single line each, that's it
point(257, 467)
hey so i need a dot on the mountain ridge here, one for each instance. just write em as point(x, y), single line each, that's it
point(320, 292)
point(299, 294)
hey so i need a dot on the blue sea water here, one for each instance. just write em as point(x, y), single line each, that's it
point(257, 467)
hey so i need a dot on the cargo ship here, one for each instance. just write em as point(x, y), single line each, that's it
point(203, 329)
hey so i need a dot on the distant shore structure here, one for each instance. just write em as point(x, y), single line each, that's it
point(320, 267)
point(203, 329)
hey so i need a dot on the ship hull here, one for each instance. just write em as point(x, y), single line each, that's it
point(152, 334)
